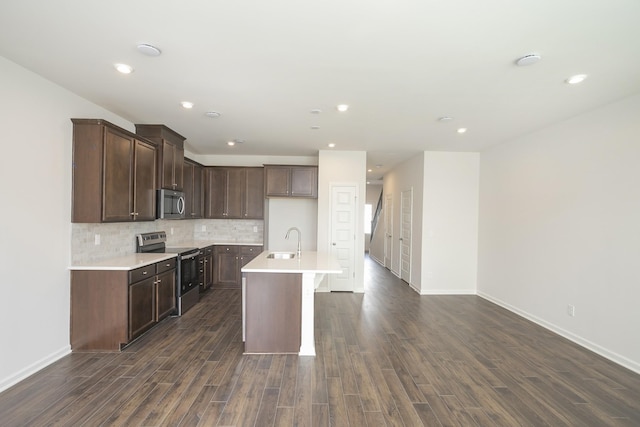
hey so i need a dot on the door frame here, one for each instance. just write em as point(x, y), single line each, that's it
point(402, 234)
point(356, 226)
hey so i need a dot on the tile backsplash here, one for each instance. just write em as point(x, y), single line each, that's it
point(118, 239)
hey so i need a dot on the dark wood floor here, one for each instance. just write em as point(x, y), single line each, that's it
point(386, 357)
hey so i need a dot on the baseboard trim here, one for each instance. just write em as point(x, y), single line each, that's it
point(448, 292)
point(607, 354)
point(33, 368)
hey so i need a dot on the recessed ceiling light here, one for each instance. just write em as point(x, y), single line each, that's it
point(316, 111)
point(528, 59)
point(315, 127)
point(342, 107)
point(462, 130)
point(147, 49)
point(187, 105)
point(578, 78)
point(369, 170)
point(378, 165)
point(212, 114)
point(331, 145)
point(124, 68)
point(445, 119)
point(231, 143)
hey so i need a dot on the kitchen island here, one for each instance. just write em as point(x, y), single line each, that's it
point(278, 301)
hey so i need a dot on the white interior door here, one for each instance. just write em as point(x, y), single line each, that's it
point(406, 207)
point(343, 236)
point(388, 229)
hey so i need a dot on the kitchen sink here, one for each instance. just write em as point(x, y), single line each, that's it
point(281, 255)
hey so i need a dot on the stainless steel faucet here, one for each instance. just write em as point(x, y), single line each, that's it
point(299, 237)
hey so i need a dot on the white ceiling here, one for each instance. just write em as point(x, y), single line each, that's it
point(264, 65)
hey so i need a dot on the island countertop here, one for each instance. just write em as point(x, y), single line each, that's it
point(307, 262)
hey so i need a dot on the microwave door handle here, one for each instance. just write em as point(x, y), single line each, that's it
point(181, 205)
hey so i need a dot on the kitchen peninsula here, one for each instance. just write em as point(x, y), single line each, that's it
point(278, 300)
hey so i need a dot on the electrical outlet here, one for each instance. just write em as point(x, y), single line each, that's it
point(571, 310)
point(171, 231)
point(255, 228)
point(204, 228)
point(96, 239)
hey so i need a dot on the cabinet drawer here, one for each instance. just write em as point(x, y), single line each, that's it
point(230, 249)
point(250, 250)
point(142, 273)
point(208, 250)
point(166, 265)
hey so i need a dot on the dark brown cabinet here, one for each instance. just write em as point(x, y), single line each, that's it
point(111, 308)
point(171, 154)
point(114, 174)
point(193, 189)
point(206, 268)
point(272, 312)
point(229, 260)
point(234, 192)
point(291, 181)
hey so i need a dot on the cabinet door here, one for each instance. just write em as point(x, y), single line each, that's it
point(225, 266)
point(277, 181)
point(117, 184)
point(304, 181)
point(254, 194)
point(168, 161)
point(234, 192)
point(144, 186)
point(215, 193)
point(165, 294)
point(198, 199)
point(141, 307)
point(178, 171)
point(187, 187)
point(208, 270)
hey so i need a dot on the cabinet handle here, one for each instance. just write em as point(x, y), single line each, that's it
point(168, 264)
point(158, 281)
point(144, 273)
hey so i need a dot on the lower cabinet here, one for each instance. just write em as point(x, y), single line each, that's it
point(229, 260)
point(206, 268)
point(111, 308)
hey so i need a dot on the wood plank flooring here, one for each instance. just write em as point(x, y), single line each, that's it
point(388, 357)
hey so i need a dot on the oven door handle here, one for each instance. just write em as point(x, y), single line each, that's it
point(190, 256)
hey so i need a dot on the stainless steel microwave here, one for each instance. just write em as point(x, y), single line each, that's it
point(170, 204)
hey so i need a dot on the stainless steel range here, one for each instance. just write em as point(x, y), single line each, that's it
point(187, 290)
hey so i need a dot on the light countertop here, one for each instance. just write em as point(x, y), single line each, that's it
point(200, 244)
point(125, 262)
point(307, 262)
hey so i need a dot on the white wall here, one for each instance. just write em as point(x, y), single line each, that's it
point(289, 212)
point(444, 220)
point(341, 167)
point(450, 223)
point(36, 172)
point(560, 225)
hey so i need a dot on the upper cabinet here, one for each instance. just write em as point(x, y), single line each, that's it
point(234, 192)
point(171, 154)
point(114, 174)
point(291, 181)
point(193, 189)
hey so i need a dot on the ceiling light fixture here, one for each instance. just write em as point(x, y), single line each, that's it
point(462, 130)
point(445, 119)
point(578, 78)
point(528, 60)
point(187, 105)
point(331, 145)
point(147, 49)
point(342, 107)
point(315, 127)
point(124, 68)
point(316, 111)
point(212, 114)
point(369, 170)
